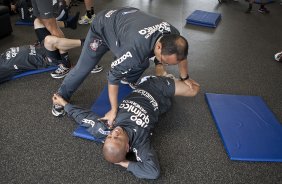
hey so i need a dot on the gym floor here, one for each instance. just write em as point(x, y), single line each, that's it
point(234, 58)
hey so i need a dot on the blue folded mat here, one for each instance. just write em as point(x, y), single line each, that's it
point(31, 72)
point(259, 1)
point(204, 18)
point(101, 107)
point(248, 128)
point(23, 23)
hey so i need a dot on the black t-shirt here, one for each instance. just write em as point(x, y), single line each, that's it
point(138, 113)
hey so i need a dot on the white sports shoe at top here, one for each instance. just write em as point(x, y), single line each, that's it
point(85, 20)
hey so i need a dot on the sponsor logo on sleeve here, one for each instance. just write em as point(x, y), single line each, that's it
point(127, 12)
point(107, 132)
point(109, 13)
point(136, 155)
point(89, 121)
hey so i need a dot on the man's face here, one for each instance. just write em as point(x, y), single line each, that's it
point(117, 136)
point(168, 59)
point(164, 59)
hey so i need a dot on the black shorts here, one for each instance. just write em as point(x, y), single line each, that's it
point(45, 9)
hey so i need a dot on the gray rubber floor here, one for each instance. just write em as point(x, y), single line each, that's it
point(235, 58)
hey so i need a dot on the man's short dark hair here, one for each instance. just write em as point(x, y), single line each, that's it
point(174, 44)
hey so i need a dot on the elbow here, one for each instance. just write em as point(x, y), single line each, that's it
point(155, 174)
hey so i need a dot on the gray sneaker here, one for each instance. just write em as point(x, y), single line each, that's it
point(278, 56)
point(58, 110)
point(60, 72)
point(97, 69)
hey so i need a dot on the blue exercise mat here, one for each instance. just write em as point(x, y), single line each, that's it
point(83, 133)
point(204, 18)
point(32, 72)
point(101, 107)
point(248, 128)
point(23, 23)
point(266, 2)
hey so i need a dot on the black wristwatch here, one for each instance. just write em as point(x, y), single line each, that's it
point(183, 79)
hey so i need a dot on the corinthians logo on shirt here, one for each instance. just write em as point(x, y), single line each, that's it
point(148, 31)
point(95, 44)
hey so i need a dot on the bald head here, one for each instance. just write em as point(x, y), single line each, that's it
point(116, 146)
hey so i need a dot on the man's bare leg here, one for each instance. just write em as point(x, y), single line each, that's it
point(63, 44)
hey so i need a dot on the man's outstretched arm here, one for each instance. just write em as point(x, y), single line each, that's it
point(77, 113)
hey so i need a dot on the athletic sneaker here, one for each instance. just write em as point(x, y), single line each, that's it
point(58, 110)
point(97, 69)
point(60, 72)
point(263, 10)
point(85, 20)
point(278, 56)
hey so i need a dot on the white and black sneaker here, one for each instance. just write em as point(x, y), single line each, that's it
point(58, 110)
point(61, 72)
point(97, 69)
point(278, 57)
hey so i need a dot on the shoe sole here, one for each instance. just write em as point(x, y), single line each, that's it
point(97, 71)
point(276, 56)
point(124, 82)
point(57, 114)
point(58, 77)
point(83, 23)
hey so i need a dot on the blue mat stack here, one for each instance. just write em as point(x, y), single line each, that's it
point(204, 18)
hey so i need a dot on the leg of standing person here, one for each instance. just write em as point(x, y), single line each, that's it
point(93, 49)
point(54, 44)
point(250, 6)
point(47, 12)
point(90, 14)
point(65, 65)
point(24, 10)
point(262, 8)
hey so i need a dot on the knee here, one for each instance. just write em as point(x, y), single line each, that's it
point(38, 24)
point(50, 41)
